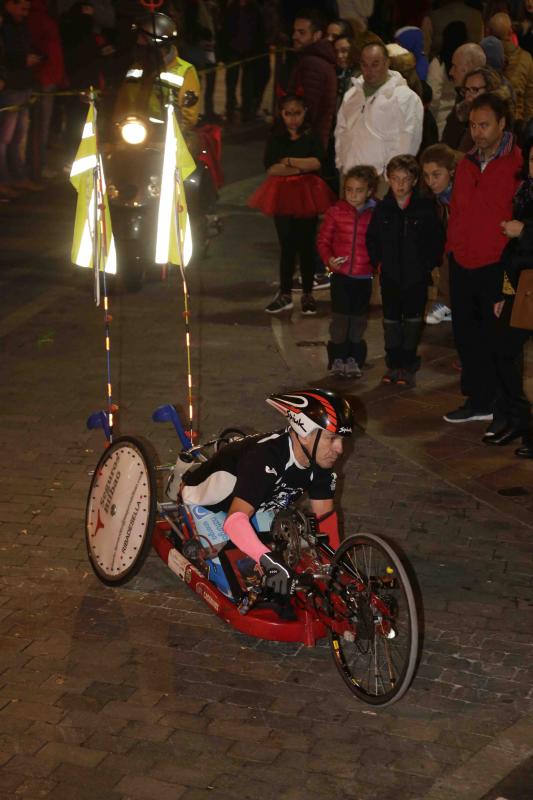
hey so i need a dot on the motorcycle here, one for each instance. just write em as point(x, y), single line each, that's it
point(359, 596)
point(133, 143)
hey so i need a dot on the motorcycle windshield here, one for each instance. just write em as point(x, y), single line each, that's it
point(140, 93)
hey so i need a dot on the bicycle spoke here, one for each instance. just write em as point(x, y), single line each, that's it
point(375, 639)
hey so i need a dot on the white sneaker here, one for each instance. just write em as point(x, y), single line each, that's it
point(337, 368)
point(352, 369)
point(439, 313)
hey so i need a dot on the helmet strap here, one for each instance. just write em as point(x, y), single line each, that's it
point(311, 456)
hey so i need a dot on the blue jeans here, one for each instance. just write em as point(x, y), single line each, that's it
point(13, 136)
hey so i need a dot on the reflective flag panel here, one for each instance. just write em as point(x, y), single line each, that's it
point(174, 239)
point(92, 203)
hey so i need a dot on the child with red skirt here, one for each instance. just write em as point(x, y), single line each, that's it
point(294, 195)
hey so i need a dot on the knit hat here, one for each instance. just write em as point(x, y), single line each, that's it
point(493, 49)
point(413, 40)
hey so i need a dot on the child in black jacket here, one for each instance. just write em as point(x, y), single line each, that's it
point(405, 239)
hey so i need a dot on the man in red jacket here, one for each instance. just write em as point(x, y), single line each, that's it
point(314, 72)
point(485, 182)
point(50, 75)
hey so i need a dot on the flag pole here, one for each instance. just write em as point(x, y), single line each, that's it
point(186, 312)
point(99, 204)
point(96, 253)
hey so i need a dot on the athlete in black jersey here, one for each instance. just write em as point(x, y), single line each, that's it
point(251, 479)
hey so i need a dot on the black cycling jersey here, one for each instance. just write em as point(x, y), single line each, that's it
point(261, 470)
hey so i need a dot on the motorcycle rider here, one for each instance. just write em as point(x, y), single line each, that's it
point(171, 73)
point(252, 478)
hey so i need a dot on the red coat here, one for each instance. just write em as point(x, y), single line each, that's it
point(480, 201)
point(314, 73)
point(46, 41)
point(343, 233)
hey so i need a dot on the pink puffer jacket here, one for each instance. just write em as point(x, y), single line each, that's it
point(343, 233)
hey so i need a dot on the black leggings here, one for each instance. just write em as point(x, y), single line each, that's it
point(296, 238)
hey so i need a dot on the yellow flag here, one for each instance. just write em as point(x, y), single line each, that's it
point(177, 166)
point(82, 178)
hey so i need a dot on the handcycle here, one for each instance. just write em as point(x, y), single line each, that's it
point(359, 596)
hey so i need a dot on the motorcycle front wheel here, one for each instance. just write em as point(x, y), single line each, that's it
point(374, 631)
point(121, 511)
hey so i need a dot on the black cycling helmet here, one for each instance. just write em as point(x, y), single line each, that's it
point(312, 409)
point(159, 27)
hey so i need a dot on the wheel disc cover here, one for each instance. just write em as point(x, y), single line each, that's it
point(118, 512)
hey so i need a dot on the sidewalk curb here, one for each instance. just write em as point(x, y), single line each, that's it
point(482, 772)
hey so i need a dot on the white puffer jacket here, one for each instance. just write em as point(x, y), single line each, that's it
point(372, 130)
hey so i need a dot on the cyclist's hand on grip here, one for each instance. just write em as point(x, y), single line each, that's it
point(278, 576)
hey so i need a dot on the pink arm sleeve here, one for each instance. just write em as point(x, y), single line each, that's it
point(238, 528)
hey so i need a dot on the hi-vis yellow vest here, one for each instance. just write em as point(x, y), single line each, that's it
point(183, 77)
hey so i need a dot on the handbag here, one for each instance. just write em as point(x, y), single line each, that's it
point(522, 313)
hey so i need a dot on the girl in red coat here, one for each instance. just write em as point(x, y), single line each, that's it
point(341, 245)
point(294, 195)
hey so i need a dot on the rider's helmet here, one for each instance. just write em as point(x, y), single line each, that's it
point(312, 409)
point(160, 28)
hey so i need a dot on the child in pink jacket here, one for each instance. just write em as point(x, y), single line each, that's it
point(341, 243)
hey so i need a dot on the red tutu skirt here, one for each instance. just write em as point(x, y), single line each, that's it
point(295, 196)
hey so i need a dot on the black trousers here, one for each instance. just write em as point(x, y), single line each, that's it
point(403, 317)
point(350, 299)
point(472, 293)
point(512, 405)
point(296, 239)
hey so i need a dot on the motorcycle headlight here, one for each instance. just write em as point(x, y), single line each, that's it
point(133, 130)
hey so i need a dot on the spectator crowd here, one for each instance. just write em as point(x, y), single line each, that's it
point(399, 156)
point(419, 118)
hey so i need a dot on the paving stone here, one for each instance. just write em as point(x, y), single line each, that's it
point(32, 711)
point(192, 770)
point(238, 730)
point(148, 788)
point(35, 788)
point(69, 791)
point(58, 752)
point(9, 781)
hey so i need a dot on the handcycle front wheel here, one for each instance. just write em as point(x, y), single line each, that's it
point(374, 623)
point(121, 510)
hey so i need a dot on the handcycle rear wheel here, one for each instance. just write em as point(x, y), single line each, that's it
point(374, 632)
point(121, 510)
point(229, 435)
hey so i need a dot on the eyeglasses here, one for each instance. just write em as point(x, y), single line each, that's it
point(472, 90)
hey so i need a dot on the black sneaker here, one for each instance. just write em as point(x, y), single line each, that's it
point(406, 377)
point(390, 376)
point(308, 303)
point(282, 302)
point(321, 281)
point(497, 426)
point(466, 413)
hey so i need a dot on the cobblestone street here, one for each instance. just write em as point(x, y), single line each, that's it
point(140, 692)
